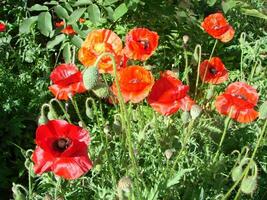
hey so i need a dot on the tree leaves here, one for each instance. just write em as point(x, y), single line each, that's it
point(58, 39)
point(61, 12)
point(75, 16)
point(25, 26)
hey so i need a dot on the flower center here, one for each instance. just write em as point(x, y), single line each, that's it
point(61, 144)
point(100, 47)
point(135, 80)
point(240, 96)
point(212, 70)
point(145, 43)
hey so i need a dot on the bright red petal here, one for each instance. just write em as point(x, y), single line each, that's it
point(72, 167)
point(62, 72)
point(42, 160)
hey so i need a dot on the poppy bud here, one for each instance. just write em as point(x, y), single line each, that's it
point(117, 128)
point(90, 77)
point(125, 184)
point(195, 111)
point(42, 120)
point(107, 129)
point(48, 197)
point(50, 115)
point(185, 39)
point(248, 184)
point(17, 194)
point(186, 117)
point(89, 113)
point(237, 173)
point(101, 90)
point(168, 153)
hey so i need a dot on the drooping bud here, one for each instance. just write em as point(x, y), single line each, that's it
point(195, 111)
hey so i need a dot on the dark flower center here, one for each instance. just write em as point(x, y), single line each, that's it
point(240, 96)
point(213, 71)
point(61, 144)
point(145, 43)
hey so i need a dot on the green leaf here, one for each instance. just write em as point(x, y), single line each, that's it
point(38, 7)
point(77, 41)
point(211, 2)
point(45, 23)
point(58, 39)
point(263, 111)
point(120, 11)
point(82, 3)
point(174, 180)
point(110, 12)
point(90, 77)
point(254, 13)
point(228, 5)
point(94, 13)
point(109, 2)
point(61, 12)
point(25, 26)
point(67, 53)
point(75, 16)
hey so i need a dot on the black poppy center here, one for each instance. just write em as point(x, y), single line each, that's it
point(213, 70)
point(240, 96)
point(145, 43)
point(61, 144)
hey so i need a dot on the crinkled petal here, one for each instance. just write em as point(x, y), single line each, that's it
point(42, 160)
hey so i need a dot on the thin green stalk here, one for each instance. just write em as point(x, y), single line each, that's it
point(186, 69)
point(198, 66)
point(253, 70)
point(245, 172)
point(62, 108)
point(243, 36)
point(58, 183)
point(30, 182)
point(211, 54)
point(187, 134)
point(124, 114)
point(226, 125)
point(73, 101)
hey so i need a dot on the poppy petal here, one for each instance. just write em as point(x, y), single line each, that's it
point(71, 167)
point(42, 160)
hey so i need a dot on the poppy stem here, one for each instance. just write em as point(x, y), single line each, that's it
point(245, 172)
point(125, 116)
point(199, 49)
point(186, 69)
point(73, 101)
point(187, 133)
point(226, 125)
point(62, 108)
point(211, 54)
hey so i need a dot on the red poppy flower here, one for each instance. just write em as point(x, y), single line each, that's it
point(213, 71)
point(98, 42)
point(59, 24)
point(68, 30)
point(2, 27)
point(67, 81)
point(62, 149)
point(140, 43)
point(169, 94)
point(135, 83)
point(82, 20)
point(217, 26)
point(238, 101)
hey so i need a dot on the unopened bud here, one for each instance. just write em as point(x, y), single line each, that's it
point(185, 39)
point(168, 153)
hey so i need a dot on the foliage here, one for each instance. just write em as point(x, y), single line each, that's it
point(33, 45)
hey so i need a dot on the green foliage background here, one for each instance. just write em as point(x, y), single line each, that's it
point(26, 63)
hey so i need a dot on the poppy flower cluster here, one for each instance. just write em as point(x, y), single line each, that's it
point(62, 149)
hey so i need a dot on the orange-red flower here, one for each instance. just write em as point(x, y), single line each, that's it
point(135, 83)
point(213, 71)
point(169, 94)
point(2, 27)
point(140, 43)
point(97, 43)
point(217, 26)
point(67, 81)
point(68, 30)
point(62, 149)
point(238, 101)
